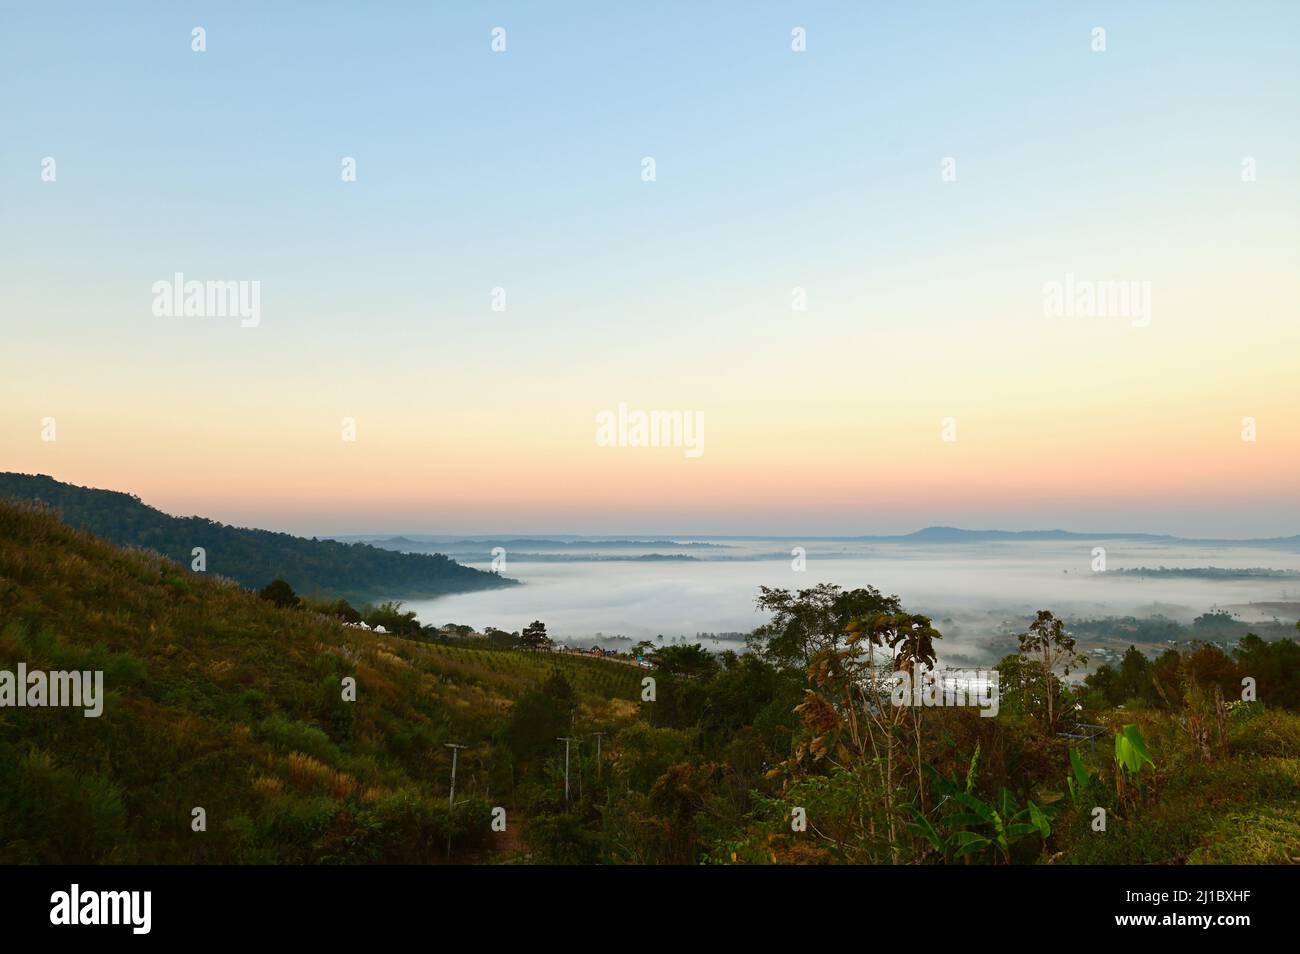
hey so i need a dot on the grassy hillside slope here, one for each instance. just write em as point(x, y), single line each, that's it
point(356, 571)
point(220, 700)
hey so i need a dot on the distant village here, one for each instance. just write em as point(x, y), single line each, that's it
point(634, 655)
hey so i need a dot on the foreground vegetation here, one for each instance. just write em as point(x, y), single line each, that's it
point(220, 699)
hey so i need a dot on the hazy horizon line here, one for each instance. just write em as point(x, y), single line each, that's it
point(661, 535)
point(860, 536)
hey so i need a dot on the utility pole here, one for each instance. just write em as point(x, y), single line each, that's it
point(598, 735)
point(566, 740)
point(577, 747)
point(451, 799)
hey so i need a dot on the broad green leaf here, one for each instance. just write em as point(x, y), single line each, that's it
point(1040, 820)
point(977, 806)
point(1081, 774)
point(1130, 749)
point(1134, 736)
point(968, 843)
point(924, 828)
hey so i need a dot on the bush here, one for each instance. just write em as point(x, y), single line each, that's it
point(280, 593)
point(59, 815)
point(562, 840)
point(286, 735)
point(409, 827)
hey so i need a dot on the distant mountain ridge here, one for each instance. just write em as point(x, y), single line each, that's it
point(958, 535)
point(253, 557)
point(557, 543)
point(936, 534)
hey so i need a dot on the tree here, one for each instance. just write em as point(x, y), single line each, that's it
point(345, 611)
point(500, 639)
point(280, 593)
point(539, 717)
point(1215, 623)
point(1210, 667)
point(534, 635)
point(1052, 648)
point(685, 660)
point(811, 620)
point(1020, 684)
point(391, 616)
point(856, 736)
point(1134, 679)
point(909, 635)
point(1275, 667)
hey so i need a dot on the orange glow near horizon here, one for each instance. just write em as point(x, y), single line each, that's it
point(764, 467)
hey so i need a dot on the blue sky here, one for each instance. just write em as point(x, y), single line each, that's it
point(521, 170)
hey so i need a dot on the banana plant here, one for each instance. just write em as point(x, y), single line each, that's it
point(1130, 756)
point(1131, 750)
point(1081, 780)
point(978, 830)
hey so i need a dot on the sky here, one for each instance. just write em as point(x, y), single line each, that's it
point(917, 178)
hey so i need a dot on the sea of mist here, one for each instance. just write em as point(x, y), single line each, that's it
point(975, 592)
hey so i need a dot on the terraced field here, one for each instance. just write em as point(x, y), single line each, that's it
point(512, 670)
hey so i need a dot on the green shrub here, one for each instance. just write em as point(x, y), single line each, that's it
point(54, 814)
point(286, 735)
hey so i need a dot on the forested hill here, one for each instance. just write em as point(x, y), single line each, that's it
point(356, 571)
